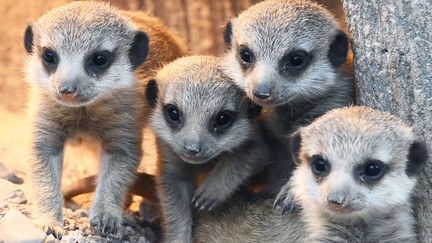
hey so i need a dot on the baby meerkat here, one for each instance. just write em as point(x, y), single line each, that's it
point(164, 46)
point(203, 123)
point(287, 56)
point(81, 62)
point(356, 170)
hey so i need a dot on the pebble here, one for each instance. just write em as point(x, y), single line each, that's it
point(8, 174)
point(25, 232)
point(10, 193)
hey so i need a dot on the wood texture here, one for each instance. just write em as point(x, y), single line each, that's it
point(392, 45)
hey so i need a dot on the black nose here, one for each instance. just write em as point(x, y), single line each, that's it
point(67, 89)
point(336, 200)
point(262, 92)
point(192, 148)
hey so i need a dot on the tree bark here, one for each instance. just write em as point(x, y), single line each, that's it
point(392, 45)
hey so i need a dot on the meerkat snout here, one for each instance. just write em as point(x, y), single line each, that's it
point(262, 91)
point(192, 148)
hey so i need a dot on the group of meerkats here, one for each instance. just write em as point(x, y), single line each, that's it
point(261, 144)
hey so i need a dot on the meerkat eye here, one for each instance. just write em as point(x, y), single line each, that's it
point(295, 62)
point(373, 170)
point(224, 120)
point(101, 59)
point(246, 55)
point(172, 114)
point(49, 56)
point(320, 166)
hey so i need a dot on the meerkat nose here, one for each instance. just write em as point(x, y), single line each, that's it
point(262, 92)
point(192, 148)
point(336, 199)
point(67, 91)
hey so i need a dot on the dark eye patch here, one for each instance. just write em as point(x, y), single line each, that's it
point(295, 62)
point(50, 59)
point(172, 115)
point(223, 120)
point(320, 167)
point(98, 62)
point(246, 57)
point(370, 171)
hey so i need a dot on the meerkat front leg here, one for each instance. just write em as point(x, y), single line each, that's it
point(120, 157)
point(176, 187)
point(46, 167)
point(225, 179)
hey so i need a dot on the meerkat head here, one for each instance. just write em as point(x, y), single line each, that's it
point(83, 51)
point(355, 162)
point(283, 50)
point(198, 111)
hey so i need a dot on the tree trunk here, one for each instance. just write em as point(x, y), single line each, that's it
point(392, 45)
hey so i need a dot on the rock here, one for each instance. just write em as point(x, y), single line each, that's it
point(10, 193)
point(8, 174)
point(51, 239)
point(74, 236)
point(81, 213)
point(15, 228)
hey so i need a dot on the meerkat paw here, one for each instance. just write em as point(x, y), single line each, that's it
point(205, 200)
point(50, 227)
point(285, 200)
point(105, 223)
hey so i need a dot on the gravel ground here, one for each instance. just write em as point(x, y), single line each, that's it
point(141, 221)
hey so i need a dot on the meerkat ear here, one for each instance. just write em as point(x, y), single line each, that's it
point(28, 39)
point(338, 49)
point(152, 93)
point(228, 33)
point(295, 144)
point(139, 49)
point(417, 158)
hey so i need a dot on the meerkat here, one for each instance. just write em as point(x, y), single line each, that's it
point(356, 170)
point(204, 124)
point(164, 47)
point(81, 62)
point(288, 56)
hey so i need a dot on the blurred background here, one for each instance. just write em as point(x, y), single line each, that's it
point(199, 22)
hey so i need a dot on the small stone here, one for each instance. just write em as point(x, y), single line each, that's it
point(17, 197)
point(81, 213)
point(8, 174)
point(51, 239)
point(87, 231)
point(10, 193)
point(74, 236)
point(69, 212)
point(15, 227)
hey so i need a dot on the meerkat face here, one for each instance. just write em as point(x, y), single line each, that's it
point(356, 162)
point(83, 51)
point(282, 50)
point(199, 112)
